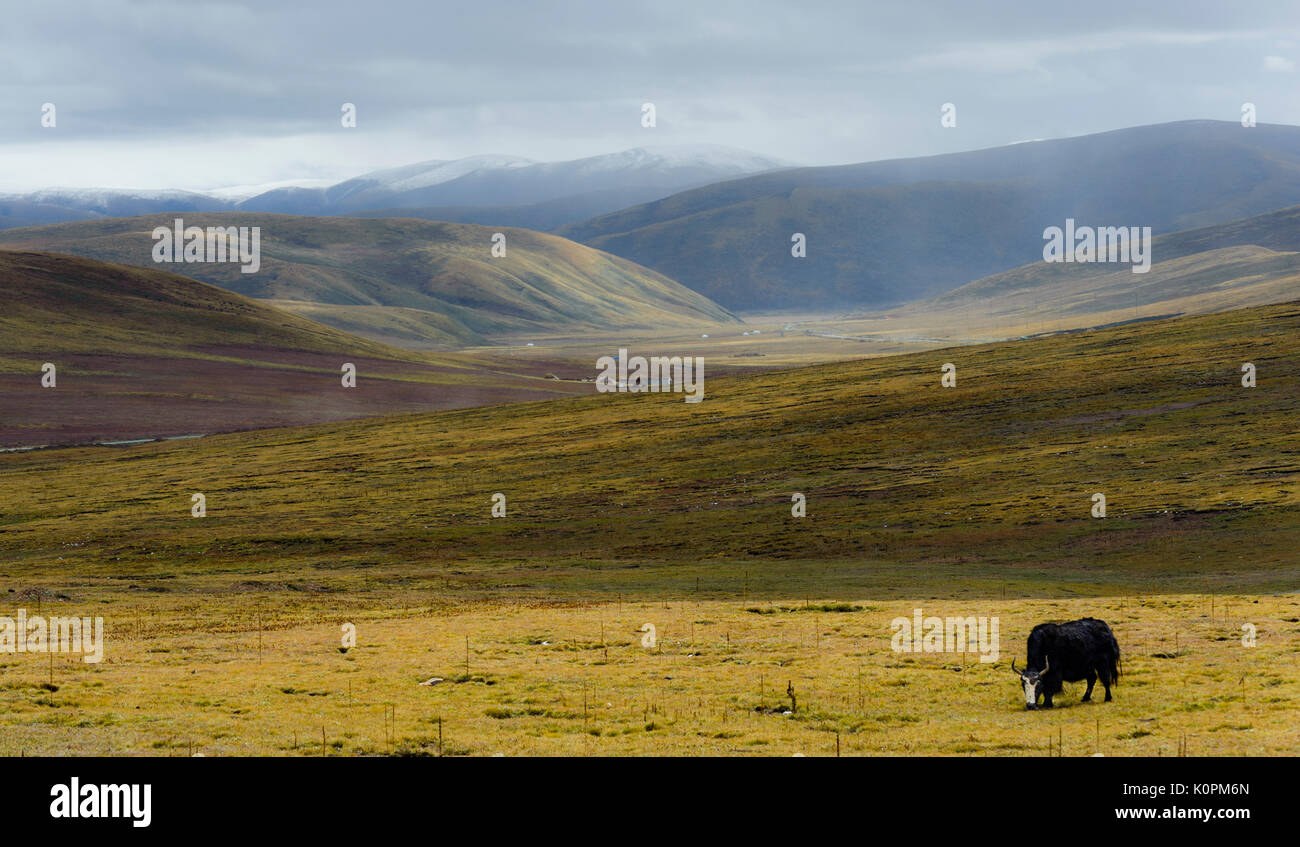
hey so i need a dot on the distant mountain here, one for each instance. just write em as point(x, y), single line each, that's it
point(57, 205)
point(896, 231)
point(495, 190)
point(543, 217)
point(504, 183)
point(118, 203)
point(386, 268)
point(19, 211)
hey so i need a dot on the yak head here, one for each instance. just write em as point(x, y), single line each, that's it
point(1031, 681)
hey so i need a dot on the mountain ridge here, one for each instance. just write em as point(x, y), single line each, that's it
point(883, 233)
point(606, 182)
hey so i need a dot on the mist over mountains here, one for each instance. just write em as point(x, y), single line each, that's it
point(488, 189)
point(720, 221)
point(883, 233)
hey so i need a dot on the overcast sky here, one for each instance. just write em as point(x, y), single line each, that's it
point(203, 94)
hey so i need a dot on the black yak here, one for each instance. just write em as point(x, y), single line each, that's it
point(1068, 652)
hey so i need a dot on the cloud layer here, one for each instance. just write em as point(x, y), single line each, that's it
point(206, 94)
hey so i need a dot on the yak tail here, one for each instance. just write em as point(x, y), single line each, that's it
point(1115, 661)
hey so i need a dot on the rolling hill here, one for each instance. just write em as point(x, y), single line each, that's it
point(895, 231)
point(145, 354)
point(1250, 262)
point(321, 266)
point(907, 483)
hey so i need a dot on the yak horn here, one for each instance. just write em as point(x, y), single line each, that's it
point(1046, 663)
point(1013, 665)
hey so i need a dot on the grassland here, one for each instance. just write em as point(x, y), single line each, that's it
point(261, 673)
point(626, 509)
point(144, 353)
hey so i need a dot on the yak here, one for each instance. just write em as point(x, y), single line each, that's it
point(1068, 652)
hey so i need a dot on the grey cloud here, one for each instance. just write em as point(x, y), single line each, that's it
point(813, 82)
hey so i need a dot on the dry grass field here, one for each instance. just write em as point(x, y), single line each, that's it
point(257, 676)
point(223, 632)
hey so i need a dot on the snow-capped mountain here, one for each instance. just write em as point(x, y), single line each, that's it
point(506, 190)
point(122, 202)
point(427, 174)
point(236, 193)
point(630, 176)
point(59, 205)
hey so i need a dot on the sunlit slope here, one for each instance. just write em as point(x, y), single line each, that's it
point(143, 353)
point(55, 304)
point(542, 283)
point(906, 482)
point(1243, 263)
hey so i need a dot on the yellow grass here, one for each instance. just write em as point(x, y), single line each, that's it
point(257, 678)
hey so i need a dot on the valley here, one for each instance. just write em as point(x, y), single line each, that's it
point(357, 493)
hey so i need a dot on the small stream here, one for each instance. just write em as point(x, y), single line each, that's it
point(129, 442)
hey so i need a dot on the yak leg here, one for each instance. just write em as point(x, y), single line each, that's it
point(1092, 680)
point(1106, 681)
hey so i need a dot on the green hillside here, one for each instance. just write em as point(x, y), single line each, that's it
point(143, 353)
point(1254, 261)
point(543, 283)
point(59, 304)
point(907, 483)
